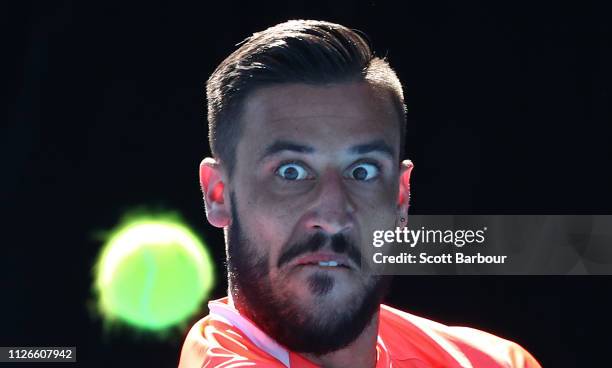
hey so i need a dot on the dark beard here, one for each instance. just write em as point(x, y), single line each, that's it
point(277, 315)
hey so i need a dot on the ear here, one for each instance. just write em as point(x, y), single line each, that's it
point(403, 200)
point(213, 189)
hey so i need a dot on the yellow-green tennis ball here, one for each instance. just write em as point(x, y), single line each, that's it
point(153, 274)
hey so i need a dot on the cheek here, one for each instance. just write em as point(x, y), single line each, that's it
point(380, 200)
point(377, 210)
point(268, 221)
point(281, 203)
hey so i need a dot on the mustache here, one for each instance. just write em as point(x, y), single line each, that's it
point(340, 243)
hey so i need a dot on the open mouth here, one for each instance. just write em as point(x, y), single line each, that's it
point(323, 260)
point(329, 264)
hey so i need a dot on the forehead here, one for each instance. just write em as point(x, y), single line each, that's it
point(325, 116)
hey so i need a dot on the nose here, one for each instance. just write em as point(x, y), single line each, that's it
point(332, 210)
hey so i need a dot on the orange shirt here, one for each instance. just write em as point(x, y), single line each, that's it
point(226, 339)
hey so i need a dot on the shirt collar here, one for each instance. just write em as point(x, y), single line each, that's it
point(229, 314)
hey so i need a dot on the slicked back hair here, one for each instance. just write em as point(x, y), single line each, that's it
point(296, 51)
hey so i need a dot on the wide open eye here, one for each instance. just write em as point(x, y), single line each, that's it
point(292, 171)
point(364, 171)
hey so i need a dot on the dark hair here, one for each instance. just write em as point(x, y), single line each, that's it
point(297, 51)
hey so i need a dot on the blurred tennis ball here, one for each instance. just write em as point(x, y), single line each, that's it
point(153, 274)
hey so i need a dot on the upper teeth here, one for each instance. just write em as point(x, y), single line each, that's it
point(328, 264)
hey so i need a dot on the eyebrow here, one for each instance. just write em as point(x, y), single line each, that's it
point(374, 146)
point(283, 145)
point(278, 146)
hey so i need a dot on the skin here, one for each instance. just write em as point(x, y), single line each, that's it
point(330, 121)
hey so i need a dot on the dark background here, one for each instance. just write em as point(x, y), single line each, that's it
point(104, 112)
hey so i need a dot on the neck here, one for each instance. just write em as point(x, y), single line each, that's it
point(360, 353)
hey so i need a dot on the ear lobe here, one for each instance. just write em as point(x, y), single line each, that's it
point(213, 190)
point(403, 200)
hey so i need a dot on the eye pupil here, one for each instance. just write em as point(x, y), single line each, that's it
point(291, 173)
point(360, 173)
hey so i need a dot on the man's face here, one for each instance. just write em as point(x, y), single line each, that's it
point(317, 172)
